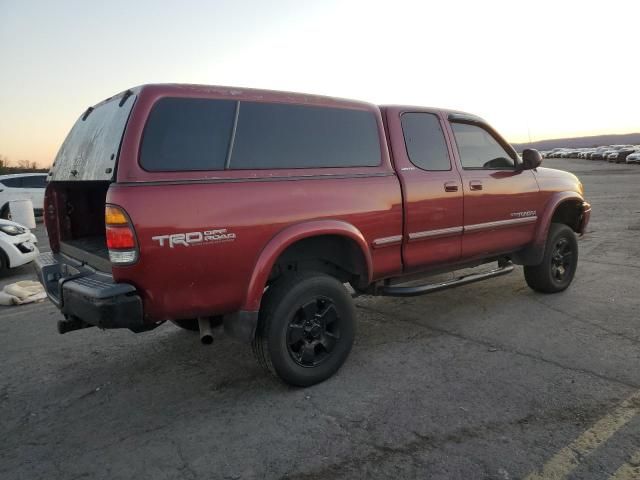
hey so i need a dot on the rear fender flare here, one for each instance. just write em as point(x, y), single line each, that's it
point(287, 237)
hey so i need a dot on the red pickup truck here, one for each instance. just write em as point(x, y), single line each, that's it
point(254, 209)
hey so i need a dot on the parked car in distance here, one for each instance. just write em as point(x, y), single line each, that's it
point(623, 153)
point(633, 158)
point(205, 205)
point(22, 186)
point(611, 156)
point(18, 246)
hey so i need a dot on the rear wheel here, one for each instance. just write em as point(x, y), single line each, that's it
point(306, 328)
point(559, 264)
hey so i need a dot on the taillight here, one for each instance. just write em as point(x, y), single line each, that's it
point(121, 239)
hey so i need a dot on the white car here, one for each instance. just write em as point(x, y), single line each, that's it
point(18, 245)
point(633, 158)
point(22, 186)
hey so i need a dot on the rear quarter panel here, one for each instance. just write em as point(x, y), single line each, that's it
point(213, 277)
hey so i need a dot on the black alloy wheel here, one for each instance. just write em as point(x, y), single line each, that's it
point(313, 332)
point(561, 259)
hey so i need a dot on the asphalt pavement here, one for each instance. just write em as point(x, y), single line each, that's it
point(487, 381)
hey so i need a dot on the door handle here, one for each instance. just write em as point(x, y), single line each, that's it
point(450, 187)
point(475, 185)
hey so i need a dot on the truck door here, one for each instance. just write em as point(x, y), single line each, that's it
point(431, 186)
point(500, 199)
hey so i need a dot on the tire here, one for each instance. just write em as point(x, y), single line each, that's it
point(191, 324)
point(559, 263)
point(306, 328)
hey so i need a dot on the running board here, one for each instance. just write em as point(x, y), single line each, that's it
point(414, 291)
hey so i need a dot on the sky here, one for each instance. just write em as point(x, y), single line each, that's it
point(534, 69)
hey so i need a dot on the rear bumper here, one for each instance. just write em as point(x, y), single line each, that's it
point(82, 293)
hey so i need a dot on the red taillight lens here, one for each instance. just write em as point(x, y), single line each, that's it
point(120, 238)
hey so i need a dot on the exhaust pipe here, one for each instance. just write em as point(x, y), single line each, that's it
point(206, 336)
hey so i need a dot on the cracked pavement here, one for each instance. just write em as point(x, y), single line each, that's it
point(489, 380)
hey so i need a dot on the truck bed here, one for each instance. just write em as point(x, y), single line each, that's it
point(91, 250)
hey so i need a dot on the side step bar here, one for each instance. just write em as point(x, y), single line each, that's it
point(413, 291)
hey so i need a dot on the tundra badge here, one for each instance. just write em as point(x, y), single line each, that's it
point(528, 213)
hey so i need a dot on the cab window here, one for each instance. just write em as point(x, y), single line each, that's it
point(425, 141)
point(478, 149)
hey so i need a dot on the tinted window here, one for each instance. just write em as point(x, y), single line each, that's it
point(478, 148)
point(425, 141)
point(35, 181)
point(294, 136)
point(15, 182)
point(187, 134)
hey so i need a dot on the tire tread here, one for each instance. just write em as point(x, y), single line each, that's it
point(537, 276)
point(270, 302)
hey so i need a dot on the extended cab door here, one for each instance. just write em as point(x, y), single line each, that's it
point(501, 201)
point(431, 186)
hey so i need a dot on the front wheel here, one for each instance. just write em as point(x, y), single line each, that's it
point(306, 328)
point(559, 263)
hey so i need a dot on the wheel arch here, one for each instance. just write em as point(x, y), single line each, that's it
point(562, 207)
point(326, 235)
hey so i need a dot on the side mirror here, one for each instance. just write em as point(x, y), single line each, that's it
point(531, 159)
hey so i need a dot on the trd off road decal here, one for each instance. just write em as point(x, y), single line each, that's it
point(195, 238)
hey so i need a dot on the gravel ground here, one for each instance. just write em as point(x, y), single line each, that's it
point(490, 381)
